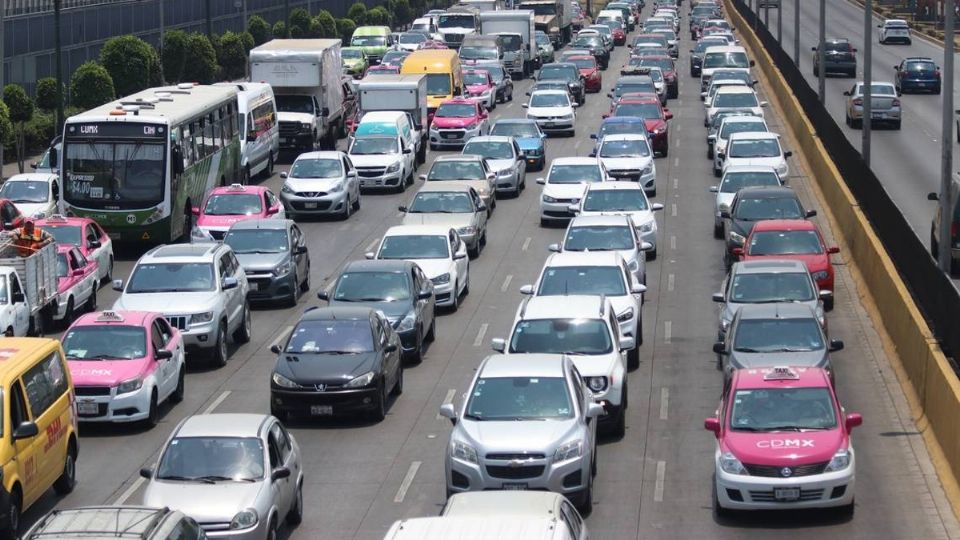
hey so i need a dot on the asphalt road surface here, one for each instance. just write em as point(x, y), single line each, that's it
point(656, 481)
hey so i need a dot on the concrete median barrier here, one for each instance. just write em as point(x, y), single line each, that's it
point(928, 379)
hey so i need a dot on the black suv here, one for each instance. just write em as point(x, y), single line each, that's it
point(839, 57)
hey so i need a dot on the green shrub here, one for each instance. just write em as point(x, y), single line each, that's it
point(132, 63)
point(90, 86)
point(47, 93)
point(259, 29)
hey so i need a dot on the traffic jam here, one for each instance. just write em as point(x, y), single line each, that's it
point(382, 114)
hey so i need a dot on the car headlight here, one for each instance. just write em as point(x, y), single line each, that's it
point(730, 464)
point(634, 265)
point(471, 125)
point(647, 227)
point(736, 238)
point(821, 275)
point(305, 126)
point(128, 386)
point(840, 461)
point(281, 269)
point(549, 199)
point(569, 450)
point(361, 381)
point(533, 152)
point(441, 279)
point(596, 384)
point(724, 207)
point(724, 322)
point(531, 117)
point(626, 315)
point(503, 173)
point(156, 216)
point(647, 170)
point(407, 322)
point(282, 381)
point(286, 188)
point(200, 318)
point(470, 230)
point(782, 169)
point(244, 519)
point(336, 188)
point(463, 452)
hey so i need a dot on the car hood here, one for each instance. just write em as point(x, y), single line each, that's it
point(223, 222)
point(352, 62)
point(206, 503)
point(335, 369)
point(29, 209)
point(479, 88)
point(106, 372)
point(785, 449)
point(771, 359)
point(621, 163)
point(533, 436)
point(446, 122)
point(482, 186)
point(815, 261)
point(550, 111)
point(261, 261)
point(374, 160)
point(586, 72)
point(638, 217)
point(564, 191)
point(303, 118)
point(530, 143)
point(654, 123)
point(447, 220)
point(596, 364)
point(500, 164)
point(392, 310)
point(171, 303)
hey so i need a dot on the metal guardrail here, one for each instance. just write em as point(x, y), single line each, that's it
point(13, 8)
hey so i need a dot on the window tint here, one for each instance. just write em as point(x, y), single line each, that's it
point(186, 529)
point(45, 382)
point(283, 444)
point(18, 408)
point(571, 517)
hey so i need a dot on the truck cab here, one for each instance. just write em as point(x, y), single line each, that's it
point(14, 306)
point(458, 22)
point(554, 17)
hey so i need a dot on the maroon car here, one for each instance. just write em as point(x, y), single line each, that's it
point(654, 116)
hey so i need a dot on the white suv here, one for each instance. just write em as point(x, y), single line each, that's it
point(607, 233)
point(201, 289)
point(623, 198)
point(586, 329)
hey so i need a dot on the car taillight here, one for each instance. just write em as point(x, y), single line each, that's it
point(937, 73)
point(954, 228)
point(896, 103)
point(858, 102)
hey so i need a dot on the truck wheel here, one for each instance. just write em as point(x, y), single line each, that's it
point(36, 325)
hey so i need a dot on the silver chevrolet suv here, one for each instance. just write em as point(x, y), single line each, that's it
point(200, 288)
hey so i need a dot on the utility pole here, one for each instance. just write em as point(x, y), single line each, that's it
point(286, 17)
point(867, 123)
point(209, 19)
point(58, 52)
point(822, 53)
point(3, 8)
point(162, 30)
point(780, 25)
point(766, 15)
point(796, 32)
point(946, 140)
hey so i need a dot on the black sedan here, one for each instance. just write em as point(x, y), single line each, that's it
point(398, 289)
point(337, 361)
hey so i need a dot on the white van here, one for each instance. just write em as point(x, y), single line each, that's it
point(383, 149)
point(260, 145)
point(611, 15)
point(479, 528)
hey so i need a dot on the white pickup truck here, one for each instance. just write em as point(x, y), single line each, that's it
point(28, 289)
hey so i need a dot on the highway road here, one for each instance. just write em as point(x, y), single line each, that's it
point(907, 162)
point(656, 481)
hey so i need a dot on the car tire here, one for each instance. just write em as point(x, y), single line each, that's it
point(431, 332)
point(398, 386)
point(68, 478)
point(295, 516)
point(295, 293)
point(219, 352)
point(584, 499)
point(717, 172)
point(379, 412)
point(718, 231)
point(896, 125)
point(180, 391)
point(153, 414)
point(68, 314)
point(936, 90)
point(109, 275)
point(455, 305)
point(12, 526)
point(475, 252)
point(633, 357)
point(828, 304)
point(279, 414)
point(91, 304)
point(273, 532)
point(305, 284)
point(347, 210)
point(267, 171)
point(356, 203)
point(245, 331)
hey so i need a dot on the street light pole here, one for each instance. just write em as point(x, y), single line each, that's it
point(946, 140)
point(162, 30)
point(867, 81)
point(822, 53)
point(796, 32)
point(58, 52)
point(780, 25)
point(2, 9)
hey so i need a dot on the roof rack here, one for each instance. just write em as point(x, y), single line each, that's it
point(152, 521)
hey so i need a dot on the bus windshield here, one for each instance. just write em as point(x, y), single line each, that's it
point(108, 174)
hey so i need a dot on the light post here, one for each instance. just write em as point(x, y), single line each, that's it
point(867, 122)
point(946, 140)
point(822, 53)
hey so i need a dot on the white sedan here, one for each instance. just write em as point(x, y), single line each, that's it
point(34, 194)
point(553, 111)
point(756, 148)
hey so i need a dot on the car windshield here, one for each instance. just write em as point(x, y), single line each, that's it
point(295, 104)
point(785, 243)
point(394, 57)
point(511, 42)
point(557, 336)
point(772, 287)
point(778, 335)
point(713, 60)
point(212, 459)
point(599, 238)
point(456, 110)
point(768, 208)
point(106, 342)
point(340, 336)
point(519, 398)
point(233, 205)
point(739, 99)
point(452, 20)
point(437, 202)
point(739, 127)
point(549, 100)
point(665, 64)
point(483, 52)
point(574, 174)
point(564, 73)
point(171, 277)
point(630, 148)
point(516, 129)
point(669, 34)
point(640, 110)
point(622, 128)
point(257, 240)
point(627, 88)
point(734, 181)
point(589, 280)
point(471, 78)
point(754, 148)
point(372, 287)
point(374, 146)
point(920, 66)
point(351, 53)
point(438, 84)
point(414, 246)
point(496, 73)
point(732, 74)
point(782, 409)
point(368, 41)
point(584, 63)
point(587, 42)
point(412, 38)
point(489, 149)
point(65, 234)
point(317, 168)
point(615, 200)
point(25, 191)
point(456, 170)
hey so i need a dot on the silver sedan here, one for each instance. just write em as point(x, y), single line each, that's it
point(884, 103)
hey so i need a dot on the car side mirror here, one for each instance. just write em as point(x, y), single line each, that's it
point(853, 420)
point(25, 430)
point(594, 135)
point(146, 472)
point(833, 250)
point(323, 295)
point(719, 348)
point(410, 150)
point(524, 105)
point(390, 347)
point(811, 213)
point(846, 92)
point(498, 344)
point(714, 189)
point(280, 473)
point(718, 297)
point(447, 411)
point(481, 207)
point(526, 289)
point(638, 288)
point(646, 246)
point(459, 255)
point(300, 250)
point(276, 348)
point(627, 343)
point(423, 177)
point(667, 114)
point(814, 49)
point(574, 104)
point(273, 210)
point(521, 156)
point(605, 115)
point(593, 153)
point(752, 63)
point(283, 174)
point(424, 294)
point(195, 210)
point(369, 255)
point(402, 208)
point(555, 248)
point(725, 214)
point(162, 354)
point(595, 410)
point(491, 176)
point(118, 285)
point(933, 196)
point(230, 283)
point(656, 207)
point(93, 244)
point(251, 137)
point(33, 165)
point(788, 153)
point(712, 424)
point(541, 181)
point(836, 345)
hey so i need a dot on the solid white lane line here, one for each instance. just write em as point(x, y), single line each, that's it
point(407, 480)
point(526, 244)
point(217, 402)
point(673, 242)
point(667, 331)
point(480, 333)
point(371, 245)
point(506, 283)
point(447, 399)
point(129, 491)
point(670, 282)
point(658, 487)
point(664, 402)
point(282, 337)
point(673, 209)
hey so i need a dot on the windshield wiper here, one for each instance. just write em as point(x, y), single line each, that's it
point(747, 349)
point(98, 357)
point(474, 417)
point(204, 479)
point(333, 352)
point(215, 478)
point(793, 349)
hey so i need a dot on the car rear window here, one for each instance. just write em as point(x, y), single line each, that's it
point(921, 66)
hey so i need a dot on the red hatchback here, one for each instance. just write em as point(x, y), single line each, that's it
point(647, 106)
point(795, 239)
point(587, 64)
point(669, 69)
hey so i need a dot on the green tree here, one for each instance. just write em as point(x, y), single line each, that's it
point(402, 12)
point(378, 16)
point(328, 25)
point(47, 94)
point(358, 13)
point(233, 57)
point(346, 27)
point(6, 127)
point(280, 29)
point(259, 29)
point(132, 63)
point(174, 55)
point(91, 86)
point(299, 23)
point(202, 64)
point(248, 42)
point(21, 111)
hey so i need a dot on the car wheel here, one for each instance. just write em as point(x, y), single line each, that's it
point(245, 331)
point(179, 393)
point(305, 284)
point(245, 177)
point(268, 170)
point(633, 357)
point(92, 301)
point(379, 411)
point(11, 529)
point(474, 252)
point(398, 386)
point(109, 275)
point(219, 352)
point(619, 428)
point(153, 415)
point(295, 516)
point(347, 209)
point(466, 286)
point(8, 332)
point(68, 314)
point(456, 298)
point(718, 231)
point(896, 125)
point(295, 293)
point(652, 254)
point(36, 325)
point(828, 304)
point(431, 332)
point(272, 530)
point(584, 499)
point(356, 203)
point(68, 478)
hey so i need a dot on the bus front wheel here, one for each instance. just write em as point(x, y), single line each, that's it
point(187, 222)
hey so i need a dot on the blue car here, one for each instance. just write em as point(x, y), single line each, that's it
point(529, 137)
point(917, 74)
point(617, 125)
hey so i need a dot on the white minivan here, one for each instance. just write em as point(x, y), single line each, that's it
point(383, 149)
point(260, 144)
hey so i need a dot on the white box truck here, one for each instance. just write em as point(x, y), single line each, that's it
point(405, 93)
point(554, 17)
point(28, 289)
point(516, 26)
point(482, 5)
point(305, 76)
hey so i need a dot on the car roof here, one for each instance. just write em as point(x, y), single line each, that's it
point(378, 265)
point(635, 98)
point(768, 266)
point(221, 425)
point(118, 318)
point(261, 223)
point(778, 310)
point(611, 186)
point(766, 192)
point(237, 189)
point(582, 258)
point(532, 365)
point(622, 120)
point(797, 377)
point(515, 121)
point(725, 49)
point(784, 225)
point(502, 528)
point(425, 230)
point(549, 91)
point(735, 88)
point(574, 160)
point(754, 135)
point(181, 252)
point(32, 177)
point(491, 138)
point(592, 221)
point(503, 503)
point(103, 523)
point(565, 307)
point(338, 312)
point(459, 157)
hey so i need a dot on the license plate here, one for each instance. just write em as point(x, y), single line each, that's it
point(877, 116)
point(88, 408)
point(449, 135)
point(114, 235)
point(327, 410)
point(310, 205)
point(514, 486)
point(284, 140)
point(786, 494)
point(549, 124)
point(255, 286)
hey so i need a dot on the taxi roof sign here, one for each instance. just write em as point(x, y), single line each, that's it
point(56, 217)
point(781, 373)
point(237, 187)
point(109, 316)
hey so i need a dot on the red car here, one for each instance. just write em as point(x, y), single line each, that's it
point(616, 32)
point(587, 64)
point(647, 106)
point(795, 239)
point(10, 217)
point(669, 69)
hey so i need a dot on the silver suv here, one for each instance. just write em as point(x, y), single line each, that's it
point(527, 424)
point(108, 522)
point(200, 288)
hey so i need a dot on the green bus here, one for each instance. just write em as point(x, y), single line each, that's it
point(139, 164)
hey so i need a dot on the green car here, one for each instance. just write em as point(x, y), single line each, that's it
point(544, 48)
point(355, 62)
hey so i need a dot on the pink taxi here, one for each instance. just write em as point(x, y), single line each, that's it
point(227, 205)
point(481, 86)
point(783, 442)
point(456, 121)
point(87, 235)
point(76, 283)
point(124, 364)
